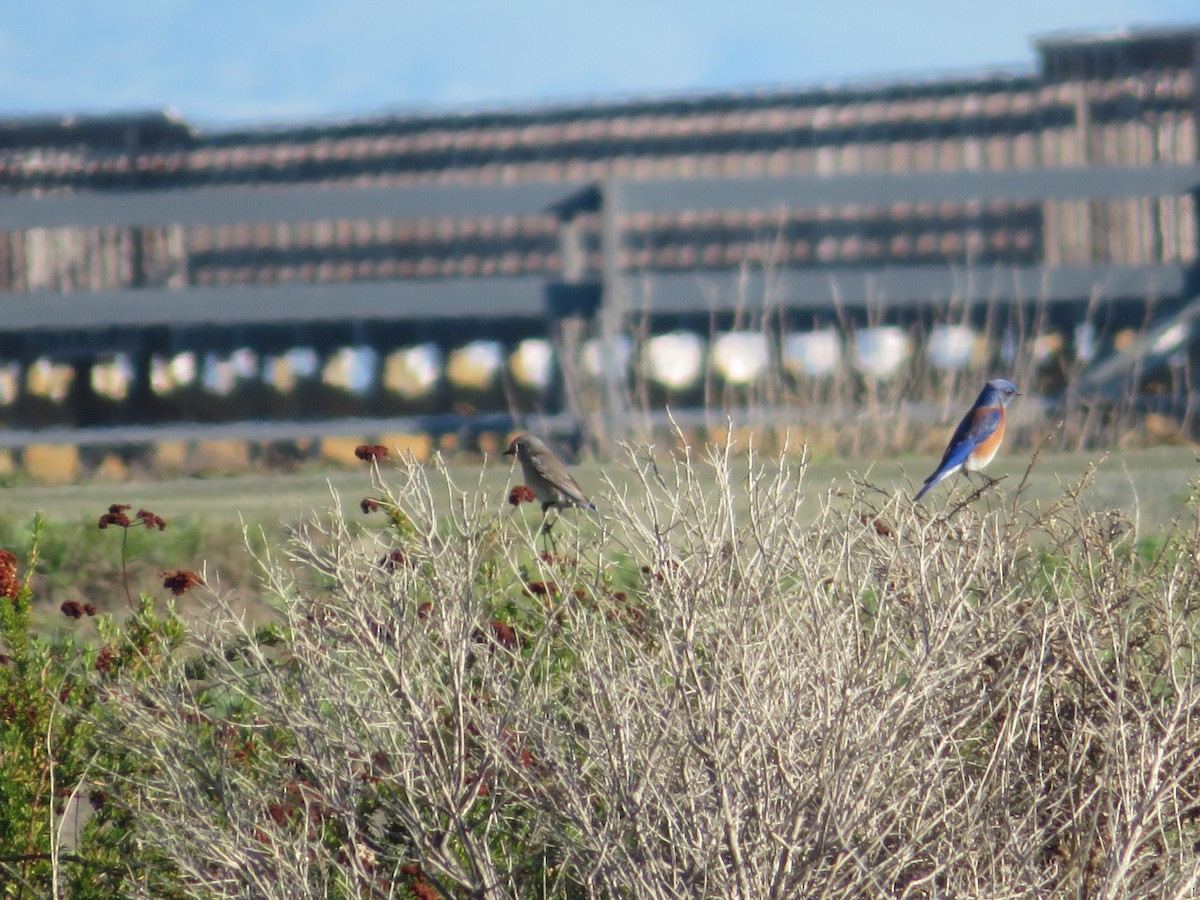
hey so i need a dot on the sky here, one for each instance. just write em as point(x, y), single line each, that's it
point(220, 63)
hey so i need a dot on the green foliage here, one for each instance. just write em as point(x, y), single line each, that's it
point(78, 561)
point(53, 774)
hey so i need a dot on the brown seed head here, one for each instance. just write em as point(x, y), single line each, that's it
point(9, 585)
point(522, 493)
point(503, 634)
point(104, 660)
point(150, 520)
point(371, 452)
point(881, 527)
point(180, 581)
point(117, 518)
point(392, 560)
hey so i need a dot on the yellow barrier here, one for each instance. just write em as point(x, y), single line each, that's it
point(419, 445)
point(340, 450)
point(52, 463)
point(223, 456)
point(169, 457)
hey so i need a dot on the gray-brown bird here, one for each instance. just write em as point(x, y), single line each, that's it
point(546, 474)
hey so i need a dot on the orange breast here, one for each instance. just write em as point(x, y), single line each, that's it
point(986, 449)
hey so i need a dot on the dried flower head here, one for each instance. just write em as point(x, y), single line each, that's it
point(369, 504)
point(280, 813)
point(371, 452)
point(180, 581)
point(118, 516)
point(115, 516)
point(881, 527)
point(72, 609)
point(90, 608)
point(541, 588)
point(392, 560)
point(503, 634)
point(9, 585)
point(418, 884)
point(522, 493)
point(150, 520)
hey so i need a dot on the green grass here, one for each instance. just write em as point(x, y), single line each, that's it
point(1155, 479)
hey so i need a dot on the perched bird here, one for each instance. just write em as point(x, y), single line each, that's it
point(546, 474)
point(978, 435)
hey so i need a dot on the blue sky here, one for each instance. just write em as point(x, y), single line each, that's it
point(218, 62)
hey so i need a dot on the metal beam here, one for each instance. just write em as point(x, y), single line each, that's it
point(525, 297)
point(232, 206)
point(229, 206)
point(1011, 185)
point(394, 300)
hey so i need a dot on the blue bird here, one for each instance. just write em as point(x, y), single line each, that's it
point(978, 435)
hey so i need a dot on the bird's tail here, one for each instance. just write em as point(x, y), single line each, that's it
point(929, 482)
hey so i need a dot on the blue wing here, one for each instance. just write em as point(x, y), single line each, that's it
point(975, 428)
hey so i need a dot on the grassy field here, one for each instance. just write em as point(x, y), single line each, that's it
point(1155, 479)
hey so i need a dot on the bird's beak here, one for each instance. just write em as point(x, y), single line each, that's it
point(510, 452)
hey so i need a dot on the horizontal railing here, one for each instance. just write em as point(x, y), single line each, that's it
point(231, 206)
point(871, 189)
point(256, 205)
point(533, 298)
point(524, 297)
point(410, 300)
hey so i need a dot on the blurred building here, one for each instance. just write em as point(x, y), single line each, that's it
point(1126, 99)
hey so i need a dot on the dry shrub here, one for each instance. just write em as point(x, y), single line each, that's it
point(703, 699)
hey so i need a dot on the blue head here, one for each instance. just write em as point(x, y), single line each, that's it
point(997, 392)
